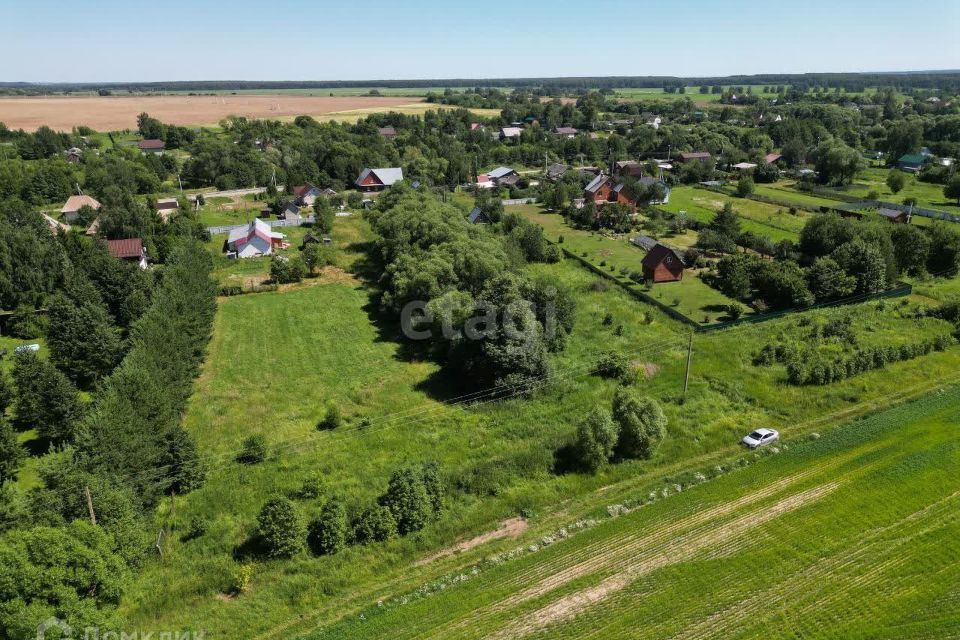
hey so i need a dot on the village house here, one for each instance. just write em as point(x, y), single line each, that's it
point(604, 189)
point(256, 239)
point(503, 176)
point(662, 264)
point(378, 179)
point(894, 215)
point(700, 156)
point(152, 146)
point(387, 132)
point(477, 216)
point(565, 132)
point(510, 132)
point(130, 250)
point(911, 162)
point(556, 172)
point(632, 168)
point(484, 182)
point(166, 207)
point(772, 158)
point(290, 212)
point(55, 225)
point(306, 194)
point(72, 207)
point(744, 166)
point(73, 155)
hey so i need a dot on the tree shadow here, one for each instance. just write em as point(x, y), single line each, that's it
point(565, 461)
point(250, 549)
point(440, 385)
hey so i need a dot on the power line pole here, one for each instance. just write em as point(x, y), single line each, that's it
point(93, 516)
point(686, 377)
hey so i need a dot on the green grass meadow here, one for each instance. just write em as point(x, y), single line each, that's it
point(276, 359)
point(851, 535)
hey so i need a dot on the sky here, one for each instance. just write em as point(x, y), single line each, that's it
point(132, 40)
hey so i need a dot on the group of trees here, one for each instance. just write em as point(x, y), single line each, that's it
point(125, 448)
point(414, 496)
point(633, 428)
point(483, 317)
point(836, 258)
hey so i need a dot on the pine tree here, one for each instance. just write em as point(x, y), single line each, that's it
point(45, 400)
point(11, 453)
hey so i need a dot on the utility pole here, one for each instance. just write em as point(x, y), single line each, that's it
point(686, 377)
point(93, 516)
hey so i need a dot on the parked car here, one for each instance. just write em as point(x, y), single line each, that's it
point(27, 347)
point(761, 437)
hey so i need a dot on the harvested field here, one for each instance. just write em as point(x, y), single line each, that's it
point(116, 113)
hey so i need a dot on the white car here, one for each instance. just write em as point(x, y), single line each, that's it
point(761, 437)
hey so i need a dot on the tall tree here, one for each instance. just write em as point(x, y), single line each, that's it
point(45, 400)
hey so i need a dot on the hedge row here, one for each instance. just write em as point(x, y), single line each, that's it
point(819, 372)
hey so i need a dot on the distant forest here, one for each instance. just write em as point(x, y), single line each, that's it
point(945, 80)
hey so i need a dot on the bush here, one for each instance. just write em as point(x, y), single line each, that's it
point(331, 420)
point(241, 575)
point(613, 364)
point(195, 528)
point(595, 440)
point(641, 423)
point(327, 534)
point(280, 528)
point(375, 524)
point(254, 450)
point(311, 489)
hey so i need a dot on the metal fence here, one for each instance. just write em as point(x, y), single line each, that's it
point(271, 223)
point(507, 203)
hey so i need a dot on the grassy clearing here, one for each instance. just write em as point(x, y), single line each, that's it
point(654, 93)
point(928, 195)
point(760, 218)
point(690, 296)
point(735, 557)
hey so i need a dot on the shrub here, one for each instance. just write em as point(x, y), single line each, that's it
point(241, 575)
point(595, 440)
point(641, 422)
point(613, 364)
point(254, 450)
point(195, 528)
point(327, 534)
point(375, 524)
point(408, 500)
point(311, 488)
point(607, 319)
point(331, 420)
point(280, 528)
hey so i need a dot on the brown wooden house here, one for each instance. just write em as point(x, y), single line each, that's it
point(662, 264)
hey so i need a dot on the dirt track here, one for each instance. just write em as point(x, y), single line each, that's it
point(117, 113)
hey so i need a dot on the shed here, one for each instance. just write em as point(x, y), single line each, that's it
point(662, 264)
point(477, 216)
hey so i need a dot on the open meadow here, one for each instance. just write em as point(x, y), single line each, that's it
point(277, 359)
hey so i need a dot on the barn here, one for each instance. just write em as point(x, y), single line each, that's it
point(662, 264)
point(378, 179)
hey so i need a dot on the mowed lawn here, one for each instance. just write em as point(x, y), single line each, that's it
point(690, 296)
point(760, 218)
point(854, 534)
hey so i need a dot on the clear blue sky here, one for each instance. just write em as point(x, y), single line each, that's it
point(133, 40)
